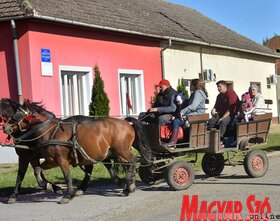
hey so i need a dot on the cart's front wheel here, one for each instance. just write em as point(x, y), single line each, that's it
point(213, 164)
point(256, 163)
point(180, 175)
point(148, 176)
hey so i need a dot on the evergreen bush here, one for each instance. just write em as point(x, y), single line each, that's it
point(181, 88)
point(99, 105)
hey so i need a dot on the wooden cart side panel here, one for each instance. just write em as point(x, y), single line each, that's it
point(199, 136)
point(255, 131)
point(198, 117)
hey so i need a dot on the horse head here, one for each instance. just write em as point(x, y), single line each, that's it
point(8, 110)
point(32, 113)
point(10, 114)
point(20, 118)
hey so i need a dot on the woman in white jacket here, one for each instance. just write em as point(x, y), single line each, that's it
point(257, 100)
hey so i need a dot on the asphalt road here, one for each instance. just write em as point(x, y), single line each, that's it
point(153, 203)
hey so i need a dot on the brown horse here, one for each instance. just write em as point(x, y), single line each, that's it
point(64, 143)
point(9, 114)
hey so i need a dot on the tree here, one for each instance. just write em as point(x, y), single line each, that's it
point(181, 88)
point(153, 98)
point(99, 105)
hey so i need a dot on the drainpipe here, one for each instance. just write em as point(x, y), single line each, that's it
point(201, 62)
point(162, 57)
point(13, 24)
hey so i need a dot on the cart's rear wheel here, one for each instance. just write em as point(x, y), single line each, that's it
point(213, 164)
point(148, 177)
point(256, 163)
point(180, 175)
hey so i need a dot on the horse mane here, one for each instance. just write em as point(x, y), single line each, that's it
point(39, 108)
point(141, 142)
point(11, 103)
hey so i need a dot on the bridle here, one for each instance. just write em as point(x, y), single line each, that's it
point(22, 116)
point(16, 120)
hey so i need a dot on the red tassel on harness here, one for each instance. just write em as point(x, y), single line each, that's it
point(33, 119)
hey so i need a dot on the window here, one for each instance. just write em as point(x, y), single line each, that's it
point(75, 85)
point(132, 98)
point(229, 84)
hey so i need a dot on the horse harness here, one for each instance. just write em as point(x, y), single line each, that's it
point(72, 142)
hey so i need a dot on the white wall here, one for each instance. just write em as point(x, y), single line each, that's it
point(185, 62)
point(8, 155)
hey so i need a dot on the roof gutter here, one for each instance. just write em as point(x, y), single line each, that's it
point(83, 24)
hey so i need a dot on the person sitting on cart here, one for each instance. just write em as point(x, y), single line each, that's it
point(246, 107)
point(225, 109)
point(257, 100)
point(195, 105)
point(163, 107)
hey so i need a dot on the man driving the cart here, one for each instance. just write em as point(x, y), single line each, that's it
point(225, 109)
point(163, 107)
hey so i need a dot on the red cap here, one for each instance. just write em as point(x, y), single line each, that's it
point(164, 82)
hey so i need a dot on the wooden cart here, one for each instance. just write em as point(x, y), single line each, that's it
point(171, 164)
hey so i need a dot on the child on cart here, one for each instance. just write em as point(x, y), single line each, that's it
point(246, 107)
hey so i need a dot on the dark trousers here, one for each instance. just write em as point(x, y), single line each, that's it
point(222, 124)
point(178, 122)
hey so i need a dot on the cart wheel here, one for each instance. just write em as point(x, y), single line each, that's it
point(180, 175)
point(148, 177)
point(213, 164)
point(256, 163)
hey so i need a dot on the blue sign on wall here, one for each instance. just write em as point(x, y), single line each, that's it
point(45, 55)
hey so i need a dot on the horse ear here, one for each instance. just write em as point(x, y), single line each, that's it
point(25, 105)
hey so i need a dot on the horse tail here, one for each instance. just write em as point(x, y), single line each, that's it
point(141, 142)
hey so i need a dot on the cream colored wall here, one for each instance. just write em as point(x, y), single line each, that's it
point(241, 68)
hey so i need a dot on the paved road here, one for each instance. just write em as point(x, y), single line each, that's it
point(149, 203)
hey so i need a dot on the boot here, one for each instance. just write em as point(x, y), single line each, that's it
point(174, 138)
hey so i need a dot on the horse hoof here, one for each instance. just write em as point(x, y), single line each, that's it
point(64, 200)
point(132, 188)
point(59, 192)
point(122, 184)
point(125, 192)
point(12, 199)
point(79, 193)
point(56, 189)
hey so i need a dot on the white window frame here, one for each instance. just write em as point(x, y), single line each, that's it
point(87, 81)
point(139, 84)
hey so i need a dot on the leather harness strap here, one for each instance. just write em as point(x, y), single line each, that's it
point(70, 143)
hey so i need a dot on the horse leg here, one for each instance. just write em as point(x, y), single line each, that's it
point(65, 167)
point(22, 168)
point(84, 185)
point(41, 180)
point(130, 177)
point(108, 164)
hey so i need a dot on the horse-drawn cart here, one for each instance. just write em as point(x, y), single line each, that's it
point(83, 141)
point(175, 165)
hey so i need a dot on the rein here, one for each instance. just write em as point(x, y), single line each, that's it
point(149, 114)
point(33, 130)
